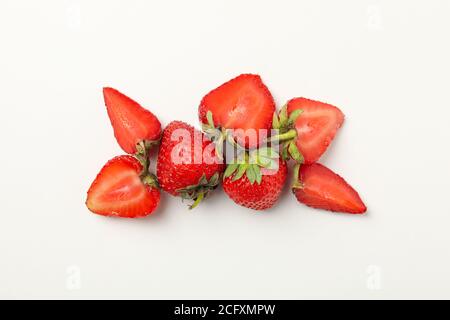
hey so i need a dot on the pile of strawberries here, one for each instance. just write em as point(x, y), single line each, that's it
point(245, 144)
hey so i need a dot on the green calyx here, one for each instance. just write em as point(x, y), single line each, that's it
point(250, 164)
point(215, 134)
point(199, 191)
point(219, 136)
point(287, 136)
point(150, 180)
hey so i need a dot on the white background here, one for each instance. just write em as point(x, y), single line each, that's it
point(384, 63)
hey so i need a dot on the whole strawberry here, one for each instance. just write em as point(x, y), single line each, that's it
point(257, 182)
point(187, 163)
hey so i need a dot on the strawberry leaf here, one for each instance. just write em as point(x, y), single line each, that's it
point(258, 174)
point(240, 172)
point(214, 180)
point(251, 175)
point(231, 168)
point(203, 181)
point(273, 165)
point(293, 116)
point(283, 116)
point(275, 121)
point(209, 117)
point(205, 127)
point(295, 153)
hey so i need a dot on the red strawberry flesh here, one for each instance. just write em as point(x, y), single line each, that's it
point(316, 126)
point(241, 103)
point(119, 191)
point(324, 189)
point(131, 122)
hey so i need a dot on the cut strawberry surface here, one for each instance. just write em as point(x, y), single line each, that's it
point(316, 126)
point(132, 123)
point(241, 103)
point(321, 188)
point(120, 190)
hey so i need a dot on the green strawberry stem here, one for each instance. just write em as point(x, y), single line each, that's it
point(197, 201)
point(150, 180)
point(142, 155)
point(289, 135)
point(296, 180)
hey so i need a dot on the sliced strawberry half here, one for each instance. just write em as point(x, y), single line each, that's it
point(319, 187)
point(316, 126)
point(241, 103)
point(121, 190)
point(132, 123)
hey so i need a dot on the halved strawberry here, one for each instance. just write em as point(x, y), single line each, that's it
point(132, 123)
point(307, 128)
point(319, 187)
point(123, 189)
point(241, 103)
point(316, 126)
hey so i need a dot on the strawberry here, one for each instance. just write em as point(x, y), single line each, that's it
point(124, 189)
point(187, 163)
point(307, 128)
point(243, 103)
point(256, 184)
point(319, 187)
point(133, 125)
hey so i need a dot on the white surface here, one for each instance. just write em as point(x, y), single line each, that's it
point(384, 63)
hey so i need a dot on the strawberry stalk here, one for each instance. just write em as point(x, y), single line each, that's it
point(150, 180)
point(197, 201)
point(297, 184)
point(289, 135)
point(142, 155)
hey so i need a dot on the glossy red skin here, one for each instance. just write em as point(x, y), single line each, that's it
point(173, 176)
point(241, 103)
point(131, 122)
point(257, 196)
point(316, 126)
point(118, 190)
point(324, 189)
